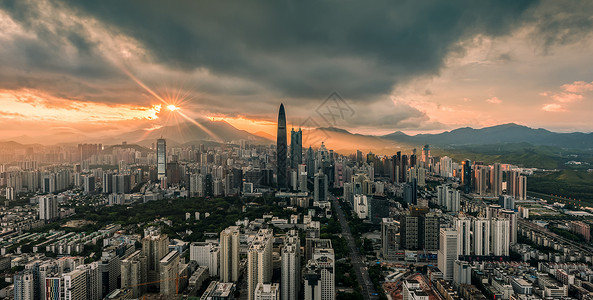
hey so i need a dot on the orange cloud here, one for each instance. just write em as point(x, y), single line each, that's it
point(567, 97)
point(494, 100)
point(578, 87)
point(36, 105)
point(553, 107)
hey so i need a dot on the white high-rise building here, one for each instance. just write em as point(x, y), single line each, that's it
point(205, 254)
point(446, 167)
point(48, 207)
point(513, 226)
point(290, 281)
point(75, 285)
point(161, 158)
point(448, 198)
point(229, 254)
point(24, 285)
point(94, 282)
point(463, 227)
point(481, 232)
point(447, 254)
point(361, 206)
point(196, 185)
point(259, 261)
point(325, 260)
point(500, 236)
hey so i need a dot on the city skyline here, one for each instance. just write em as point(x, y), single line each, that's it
point(316, 150)
point(93, 69)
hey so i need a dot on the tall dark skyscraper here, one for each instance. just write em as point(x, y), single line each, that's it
point(296, 148)
point(281, 149)
point(466, 175)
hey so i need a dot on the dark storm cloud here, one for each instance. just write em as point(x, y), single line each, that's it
point(307, 48)
point(259, 51)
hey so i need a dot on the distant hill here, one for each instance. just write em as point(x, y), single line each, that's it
point(214, 131)
point(505, 133)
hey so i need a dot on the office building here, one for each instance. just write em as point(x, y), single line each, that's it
point(447, 254)
point(161, 158)
point(205, 254)
point(378, 209)
point(321, 185)
point(296, 148)
point(281, 150)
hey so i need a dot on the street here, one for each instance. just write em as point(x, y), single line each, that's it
point(368, 290)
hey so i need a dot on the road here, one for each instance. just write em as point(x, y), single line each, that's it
point(581, 247)
point(368, 290)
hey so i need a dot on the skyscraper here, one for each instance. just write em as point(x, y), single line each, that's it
point(154, 247)
point(259, 261)
point(48, 207)
point(290, 281)
point(466, 175)
point(481, 234)
point(296, 148)
point(496, 179)
point(281, 148)
point(320, 191)
point(161, 158)
point(447, 254)
point(229, 254)
point(463, 226)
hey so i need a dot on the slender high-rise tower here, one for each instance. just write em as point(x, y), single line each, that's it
point(296, 148)
point(161, 158)
point(281, 148)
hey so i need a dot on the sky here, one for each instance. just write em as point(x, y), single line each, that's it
point(98, 68)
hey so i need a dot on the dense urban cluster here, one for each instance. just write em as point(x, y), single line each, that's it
point(284, 222)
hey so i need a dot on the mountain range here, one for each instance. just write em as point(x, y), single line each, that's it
point(338, 139)
point(505, 133)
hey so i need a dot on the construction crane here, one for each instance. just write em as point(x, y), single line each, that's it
point(176, 278)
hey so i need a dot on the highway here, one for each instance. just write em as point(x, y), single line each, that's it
point(581, 247)
point(368, 290)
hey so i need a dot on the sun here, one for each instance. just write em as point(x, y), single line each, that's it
point(172, 107)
